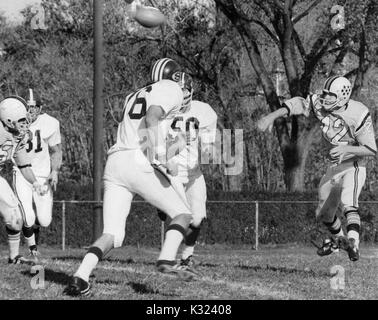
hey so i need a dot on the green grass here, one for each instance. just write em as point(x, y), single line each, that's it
point(229, 272)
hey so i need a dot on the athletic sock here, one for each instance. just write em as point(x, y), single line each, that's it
point(173, 239)
point(13, 242)
point(353, 225)
point(93, 256)
point(335, 227)
point(187, 252)
point(29, 237)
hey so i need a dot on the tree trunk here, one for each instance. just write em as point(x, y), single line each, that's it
point(295, 167)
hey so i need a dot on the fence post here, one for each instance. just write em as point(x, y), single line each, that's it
point(162, 234)
point(63, 225)
point(256, 225)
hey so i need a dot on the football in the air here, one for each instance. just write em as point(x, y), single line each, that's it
point(147, 16)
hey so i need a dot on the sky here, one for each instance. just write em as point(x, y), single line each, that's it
point(11, 8)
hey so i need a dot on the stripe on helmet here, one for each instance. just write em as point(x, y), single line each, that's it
point(329, 81)
point(31, 100)
point(158, 68)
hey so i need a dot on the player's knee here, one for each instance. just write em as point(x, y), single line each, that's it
point(196, 221)
point(10, 231)
point(180, 223)
point(118, 239)
point(14, 222)
point(45, 221)
point(29, 221)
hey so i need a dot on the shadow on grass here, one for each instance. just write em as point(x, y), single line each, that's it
point(143, 288)
point(285, 270)
point(57, 277)
point(113, 260)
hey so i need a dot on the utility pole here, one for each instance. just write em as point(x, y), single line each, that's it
point(98, 111)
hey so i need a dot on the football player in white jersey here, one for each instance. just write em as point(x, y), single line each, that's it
point(13, 130)
point(196, 128)
point(45, 149)
point(347, 125)
point(128, 171)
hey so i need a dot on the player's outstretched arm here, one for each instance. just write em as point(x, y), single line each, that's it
point(294, 106)
point(266, 122)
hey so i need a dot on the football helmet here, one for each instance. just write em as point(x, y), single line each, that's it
point(13, 115)
point(186, 83)
point(164, 68)
point(34, 105)
point(336, 93)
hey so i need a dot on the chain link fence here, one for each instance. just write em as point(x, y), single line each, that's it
point(251, 223)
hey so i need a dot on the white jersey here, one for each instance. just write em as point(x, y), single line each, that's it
point(132, 133)
point(45, 133)
point(197, 124)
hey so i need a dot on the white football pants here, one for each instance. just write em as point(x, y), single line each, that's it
point(9, 207)
point(350, 177)
point(196, 194)
point(26, 195)
point(127, 173)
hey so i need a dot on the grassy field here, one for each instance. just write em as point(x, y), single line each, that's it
point(230, 273)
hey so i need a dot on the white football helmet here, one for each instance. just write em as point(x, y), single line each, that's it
point(336, 93)
point(34, 105)
point(13, 115)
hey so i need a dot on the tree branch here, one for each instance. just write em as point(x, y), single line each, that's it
point(275, 39)
point(306, 11)
point(299, 44)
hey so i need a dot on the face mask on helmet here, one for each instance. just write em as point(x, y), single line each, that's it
point(13, 115)
point(336, 93)
point(34, 106)
point(164, 69)
point(186, 83)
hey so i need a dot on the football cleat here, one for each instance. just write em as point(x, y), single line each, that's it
point(329, 246)
point(19, 259)
point(349, 245)
point(183, 273)
point(34, 255)
point(77, 287)
point(188, 262)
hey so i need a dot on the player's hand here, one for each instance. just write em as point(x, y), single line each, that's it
point(340, 152)
point(39, 188)
point(172, 168)
point(265, 123)
point(53, 179)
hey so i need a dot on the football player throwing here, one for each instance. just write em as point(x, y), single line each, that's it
point(347, 125)
point(129, 171)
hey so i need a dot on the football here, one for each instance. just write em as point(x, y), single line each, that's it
point(148, 17)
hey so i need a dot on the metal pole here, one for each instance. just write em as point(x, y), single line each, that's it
point(63, 225)
point(256, 225)
point(98, 112)
point(162, 234)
